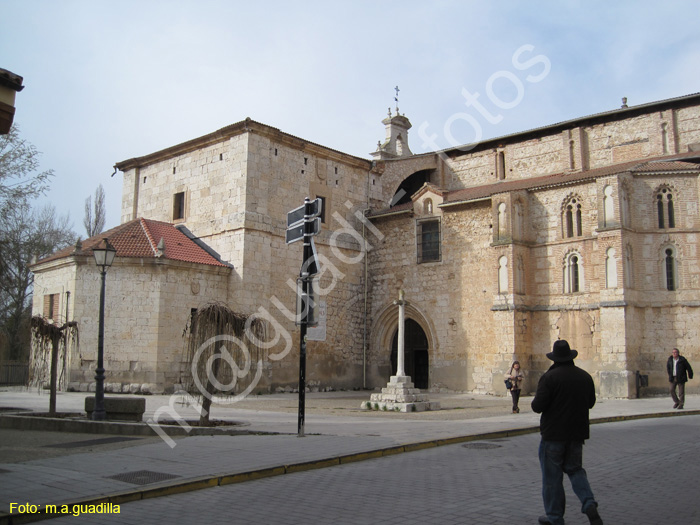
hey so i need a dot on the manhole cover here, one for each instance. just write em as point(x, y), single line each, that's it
point(90, 442)
point(143, 477)
point(481, 446)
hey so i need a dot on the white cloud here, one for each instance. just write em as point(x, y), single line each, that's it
point(107, 81)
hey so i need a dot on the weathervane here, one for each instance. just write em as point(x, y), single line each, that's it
point(396, 99)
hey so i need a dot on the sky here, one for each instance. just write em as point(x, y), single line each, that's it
point(107, 81)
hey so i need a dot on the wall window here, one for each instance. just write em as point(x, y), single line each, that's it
point(519, 276)
point(51, 306)
point(573, 219)
point(670, 269)
point(503, 274)
point(629, 267)
point(573, 273)
point(179, 206)
point(428, 241)
point(501, 165)
point(501, 221)
point(608, 207)
point(624, 207)
point(610, 268)
point(664, 208)
point(323, 208)
point(518, 221)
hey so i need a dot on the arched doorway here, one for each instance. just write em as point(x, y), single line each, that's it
point(416, 362)
point(410, 185)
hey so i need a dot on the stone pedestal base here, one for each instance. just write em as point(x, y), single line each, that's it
point(400, 395)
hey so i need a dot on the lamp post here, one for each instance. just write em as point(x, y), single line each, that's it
point(104, 257)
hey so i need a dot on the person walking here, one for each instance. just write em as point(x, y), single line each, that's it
point(516, 377)
point(679, 371)
point(565, 394)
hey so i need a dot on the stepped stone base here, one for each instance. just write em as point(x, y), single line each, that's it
point(400, 395)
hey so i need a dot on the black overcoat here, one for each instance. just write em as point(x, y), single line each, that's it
point(565, 394)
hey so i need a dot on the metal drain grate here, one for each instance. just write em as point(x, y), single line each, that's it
point(90, 442)
point(143, 477)
point(481, 446)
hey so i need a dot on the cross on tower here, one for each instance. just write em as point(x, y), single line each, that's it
point(396, 99)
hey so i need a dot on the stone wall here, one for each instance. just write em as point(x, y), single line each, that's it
point(500, 291)
point(238, 193)
point(147, 307)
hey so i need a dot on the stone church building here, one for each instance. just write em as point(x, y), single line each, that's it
point(585, 230)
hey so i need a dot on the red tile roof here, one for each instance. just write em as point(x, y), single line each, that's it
point(140, 238)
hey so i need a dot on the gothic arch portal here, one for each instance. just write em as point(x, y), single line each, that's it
point(416, 354)
point(419, 336)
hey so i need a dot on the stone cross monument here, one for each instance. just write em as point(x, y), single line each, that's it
point(400, 395)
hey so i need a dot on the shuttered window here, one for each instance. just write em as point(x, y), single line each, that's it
point(51, 306)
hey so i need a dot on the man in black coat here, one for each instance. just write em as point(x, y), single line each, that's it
point(565, 394)
point(679, 371)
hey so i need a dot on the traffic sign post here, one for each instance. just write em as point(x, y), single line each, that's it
point(296, 231)
point(303, 223)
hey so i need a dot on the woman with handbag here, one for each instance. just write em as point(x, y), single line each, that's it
point(514, 380)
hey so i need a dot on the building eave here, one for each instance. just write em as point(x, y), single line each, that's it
point(245, 126)
point(597, 118)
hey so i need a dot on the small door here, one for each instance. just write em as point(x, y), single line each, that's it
point(416, 357)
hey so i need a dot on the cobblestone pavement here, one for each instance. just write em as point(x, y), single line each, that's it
point(643, 472)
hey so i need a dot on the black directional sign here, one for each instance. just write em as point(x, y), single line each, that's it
point(296, 233)
point(296, 216)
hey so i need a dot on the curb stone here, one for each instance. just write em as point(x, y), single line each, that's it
point(180, 486)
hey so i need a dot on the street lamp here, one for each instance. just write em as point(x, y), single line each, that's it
point(104, 257)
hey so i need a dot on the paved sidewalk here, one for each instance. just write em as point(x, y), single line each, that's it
point(337, 432)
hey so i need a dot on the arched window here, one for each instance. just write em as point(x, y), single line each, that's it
point(608, 207)
point(624, 207)
point(502, 223)
point(573, 219)
point(572, 157)
point(610, 268)
point(670, 268)
point(501, 165)
point(629, 267)
point(519, 276)
point(573, 273)
point(664, 137)
point(503, 274)
point(664, 208)
point(518, 221)
point(399, 145)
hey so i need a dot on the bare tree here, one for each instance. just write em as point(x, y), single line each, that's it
point(19, 162)
point(94, 219)
point(206, 354)
point(24, 234)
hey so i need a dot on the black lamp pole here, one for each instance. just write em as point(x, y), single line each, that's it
point(104, 256)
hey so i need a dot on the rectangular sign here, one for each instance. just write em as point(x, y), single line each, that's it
point(295, 216)
point(318, 332)
point(295, 233)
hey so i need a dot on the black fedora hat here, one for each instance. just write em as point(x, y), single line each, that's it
point(561, 352)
